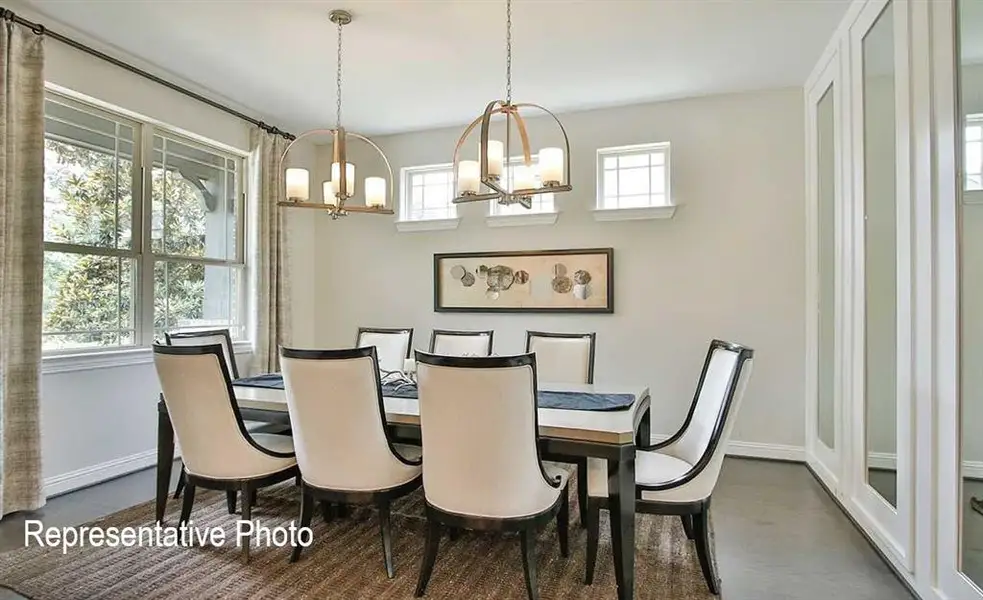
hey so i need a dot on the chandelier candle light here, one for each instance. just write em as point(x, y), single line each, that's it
point(491, 168)
point(341, 187)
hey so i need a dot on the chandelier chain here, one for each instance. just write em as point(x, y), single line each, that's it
point(338, 82)
point(508, 51)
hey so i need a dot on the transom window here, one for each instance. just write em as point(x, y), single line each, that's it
point(974, 153)
point(427, 193)
point(541, 203)
point(121, 265)
point(633, 177)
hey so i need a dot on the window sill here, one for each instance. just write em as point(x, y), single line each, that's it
point(634, 214)
point(427, 225)
point(522, 219)
point(106, 359)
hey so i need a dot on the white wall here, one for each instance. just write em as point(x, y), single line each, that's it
point(728, 265)
point(100, 423)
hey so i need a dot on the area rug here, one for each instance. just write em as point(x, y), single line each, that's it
point(345, 560)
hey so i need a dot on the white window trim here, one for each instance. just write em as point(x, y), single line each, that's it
point(404, 225)
point(603, 214)
point(108, 358)
point(80, 359)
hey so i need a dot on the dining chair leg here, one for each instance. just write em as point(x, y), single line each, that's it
point(582, 490)
point(247, 515)
point(342, 510)
point(189, 500)
point(528, 539)
point(327, 511)
point(253, 494)
point(230, 501)
point(180, 482)
point(306, 513)
point(701, 527)
point(593, 512)
point(454, 533)
point(688, 526)
point(429, 556)
point(563, 524)
point(385, 530)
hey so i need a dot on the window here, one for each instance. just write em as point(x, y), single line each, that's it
point(427, 193)
point(974, 153)
point(634, 178)
point(541, 203)
point(102, 289)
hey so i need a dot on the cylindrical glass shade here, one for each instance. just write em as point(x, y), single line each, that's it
point(496, 158)
point(468, 177)
point(523, 178)
point(297, 181)
point(551, 166)
point(349, 178)
point(328, 191)
point(375, 191)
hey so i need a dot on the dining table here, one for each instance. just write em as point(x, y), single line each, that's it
point(609, 435)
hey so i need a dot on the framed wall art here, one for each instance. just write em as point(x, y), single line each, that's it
point(577, 280)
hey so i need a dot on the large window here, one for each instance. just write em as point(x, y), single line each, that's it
point(633, 177)
point(136, 242)
point(974, 153)
point(427, 193)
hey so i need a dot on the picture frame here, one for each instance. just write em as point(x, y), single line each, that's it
point(573, 280)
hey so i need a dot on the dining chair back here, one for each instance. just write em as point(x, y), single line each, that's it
point(205, 338)
point(447, 342)
point(563, 357)
point(393, 345)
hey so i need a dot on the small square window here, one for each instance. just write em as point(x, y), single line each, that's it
point(633, 177)
point(427, 194)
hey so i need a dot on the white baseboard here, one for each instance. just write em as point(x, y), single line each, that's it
point(885, 461)
point(73, 480)
point(756, 450)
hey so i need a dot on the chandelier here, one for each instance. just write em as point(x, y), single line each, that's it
point(504, 181)
point(341, 187)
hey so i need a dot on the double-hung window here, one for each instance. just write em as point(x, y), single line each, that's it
point(143, 231)
point(633, 182)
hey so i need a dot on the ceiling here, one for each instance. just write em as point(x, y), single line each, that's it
point(416, 64)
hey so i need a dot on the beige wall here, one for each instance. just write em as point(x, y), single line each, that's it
point(729, 265)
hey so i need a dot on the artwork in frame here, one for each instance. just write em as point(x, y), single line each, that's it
point(579, 280)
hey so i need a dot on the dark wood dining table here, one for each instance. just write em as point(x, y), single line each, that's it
point(607, 435)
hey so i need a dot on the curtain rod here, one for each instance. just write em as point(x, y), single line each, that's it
point(40, 29)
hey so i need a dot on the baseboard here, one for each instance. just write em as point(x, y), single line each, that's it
point(73, 480)
point(884, 461)
point(756, 450)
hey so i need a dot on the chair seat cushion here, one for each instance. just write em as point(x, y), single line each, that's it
point(651, 468)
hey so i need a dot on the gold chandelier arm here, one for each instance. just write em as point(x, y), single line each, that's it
point(389, 168)
point(566, 139)
point(491, 109)
point(520, 124)
point(302, 136)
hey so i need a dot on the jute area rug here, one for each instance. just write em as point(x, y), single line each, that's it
point(345, 560)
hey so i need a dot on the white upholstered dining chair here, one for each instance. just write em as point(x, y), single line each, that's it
point(566, 358)
point(219, 453)
point(343, 446)
point(447, 342)
point(223, 338)
point(393, 345)
point(482, 469)
point(678, 476)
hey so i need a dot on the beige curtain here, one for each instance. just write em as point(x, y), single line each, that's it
point(21, 260)
point(270, 280)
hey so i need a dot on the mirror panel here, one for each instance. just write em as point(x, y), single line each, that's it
point(826, 186)
point(880, 256)
point(970, 20)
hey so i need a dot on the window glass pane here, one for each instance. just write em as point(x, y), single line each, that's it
point(196, 296)
point(194, 208)
point(634, 160)
point(88, 179)
point(974, 133)
point(430, 195)
point(639, 201)
point(633, 181)
point(658, 180)
point(974, 157)
point(610, 183)
point(610, 162)
point(658, 158)
point(88, 301)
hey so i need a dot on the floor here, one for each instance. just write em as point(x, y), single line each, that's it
point(778, 535)
point(972, 534)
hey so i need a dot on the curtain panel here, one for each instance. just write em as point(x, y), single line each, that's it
point(269, 274)
point(21, 265)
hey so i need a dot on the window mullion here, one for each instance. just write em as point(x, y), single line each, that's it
point(145, 271)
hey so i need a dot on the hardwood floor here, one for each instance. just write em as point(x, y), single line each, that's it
point(778, 535)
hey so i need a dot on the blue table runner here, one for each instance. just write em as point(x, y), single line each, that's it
point(545, 399)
